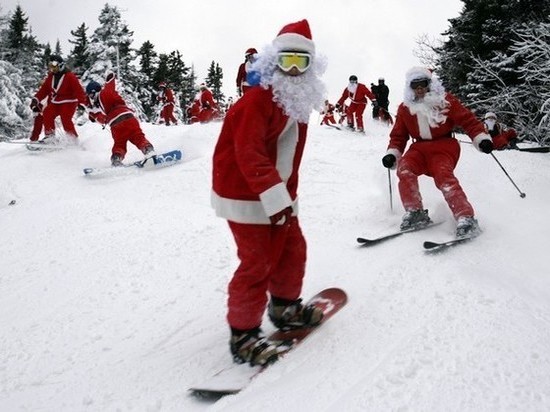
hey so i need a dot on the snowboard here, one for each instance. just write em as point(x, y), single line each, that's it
point(155, 162)
point(233, 379)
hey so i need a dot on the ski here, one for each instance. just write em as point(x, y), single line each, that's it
point(157, 161)
point(365, 242)
point(333, 126)
point(439, 247)
point(43, 146)
point(234, 378)
point(540, 149)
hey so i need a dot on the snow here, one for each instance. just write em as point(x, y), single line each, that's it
point(113, 290)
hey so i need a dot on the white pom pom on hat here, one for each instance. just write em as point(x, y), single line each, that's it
point(296, 37)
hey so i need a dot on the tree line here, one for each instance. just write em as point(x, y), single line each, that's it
point(495, 56)
point(23, 65)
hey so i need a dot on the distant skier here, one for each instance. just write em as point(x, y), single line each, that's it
point(106, 106)
point(255, 180)
point(64, 94)
point(503, 137)
point(328, 114)
point(358, 94)
point(428, 116)
point(208, 106)
point(166, 98)
point(242, 83)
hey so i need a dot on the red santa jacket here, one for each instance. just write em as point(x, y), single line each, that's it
point(256, 160)
point(110, 105)
point(207, 100)
point(67, 90)
point(416, 127)
point(241, 75)
point(167, 97)
point(359, 97)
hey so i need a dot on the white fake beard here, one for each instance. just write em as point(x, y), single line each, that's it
point(433, 106)
point(352, 88)
point(298, 96)
point(490, 124)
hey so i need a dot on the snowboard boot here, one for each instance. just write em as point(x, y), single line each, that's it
point(415, 219)
point(467, 227)
point(251, 346)
point(116, 160)
point(291, 314)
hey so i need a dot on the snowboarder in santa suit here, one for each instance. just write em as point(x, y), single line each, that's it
point(358, 94)
point(166, 98)
point(244, 68)
point(106, 106)
point(255, 182)
point(64, 94)
point(428, 116)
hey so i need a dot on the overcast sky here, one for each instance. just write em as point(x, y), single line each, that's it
point(368, 38)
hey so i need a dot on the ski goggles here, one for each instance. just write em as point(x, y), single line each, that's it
point(287, 60)
point(420, 83)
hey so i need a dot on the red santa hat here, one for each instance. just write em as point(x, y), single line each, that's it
point(295, 37)
point(250, 51)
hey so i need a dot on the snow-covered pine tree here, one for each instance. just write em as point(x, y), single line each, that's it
point(110, 51)
point(477, 62)
point(79, 57)
point(214, 82)
point(21, 70)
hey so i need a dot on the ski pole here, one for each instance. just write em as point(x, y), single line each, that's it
point(521, 194)
point(389, 184)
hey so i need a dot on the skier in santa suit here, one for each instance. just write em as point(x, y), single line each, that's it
point(208, 106)
point(503, 137)
point(106, 106)
point(358, 94)
point(244, 68)
point(166, 97)
point(64, 94)
point(328, 114)
point(255, 183)
point(428, 116)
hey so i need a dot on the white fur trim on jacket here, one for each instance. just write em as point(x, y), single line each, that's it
point(245, 211)
point(397, 155)
point(479, 138)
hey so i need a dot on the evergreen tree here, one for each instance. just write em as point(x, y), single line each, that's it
point(79, 58)
point(214, 82)
point(110, 51)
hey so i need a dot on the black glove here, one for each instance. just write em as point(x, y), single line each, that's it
point(35, 105)
point(282, 217)
point(486, 146)
point(81, 107)
point(388, 161)
point(374, 103)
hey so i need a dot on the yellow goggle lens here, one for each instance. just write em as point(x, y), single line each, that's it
point(287, 61)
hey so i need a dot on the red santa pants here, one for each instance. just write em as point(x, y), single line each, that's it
point(356, 110)
point(37, 127)
point(328, 119)
point(167, 113)
point(435, 158)
point(66, 112)
point(273, 260)
point(127, 131)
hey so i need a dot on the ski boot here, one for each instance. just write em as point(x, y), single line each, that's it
point(116, 160)
point(467, 227)
point(291, 314)
point(253, 347)
point(415, 219)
